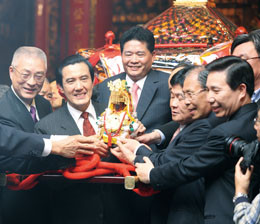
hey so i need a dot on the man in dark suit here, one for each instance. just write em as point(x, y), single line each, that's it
point(137, 51)
point(79, 202)
point(151, 102)
point(171, 206)
point(230, 85)
point(247, 47)
point(19, 148)
point(21, 107)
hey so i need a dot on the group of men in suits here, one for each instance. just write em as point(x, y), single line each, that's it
point(229, 87)
point(225, 86)
point(75, 78)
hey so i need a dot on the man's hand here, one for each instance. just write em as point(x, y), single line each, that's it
point(139, 131)
point(99, 146)
point(122, 152)
point(77, 144)
point(242, 181)
point(149, 138)
point(143, 170)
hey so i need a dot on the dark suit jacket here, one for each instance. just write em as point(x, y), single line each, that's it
point(212, 162)
point(185, 203)
point(153, 107)
point(14, 114)
point(18, 146)
point(60, 122)
point(85, 198)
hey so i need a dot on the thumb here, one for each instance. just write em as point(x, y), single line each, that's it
point(147, 160)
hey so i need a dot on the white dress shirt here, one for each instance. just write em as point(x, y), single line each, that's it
point(76, 115)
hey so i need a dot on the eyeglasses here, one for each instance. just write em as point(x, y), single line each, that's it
point(246, 59)
point(38, 76)
point(191, 95)
point(256, 120)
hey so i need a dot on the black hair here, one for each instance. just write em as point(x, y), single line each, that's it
point(70, 60)
point(240, 39)
point(138, 33)
point(253, 36)
point(180, 76)
point(238, 71)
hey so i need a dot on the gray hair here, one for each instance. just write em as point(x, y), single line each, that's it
point(202, 74)
point(28, 51)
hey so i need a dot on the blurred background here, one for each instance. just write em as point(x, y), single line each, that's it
point(61, 27)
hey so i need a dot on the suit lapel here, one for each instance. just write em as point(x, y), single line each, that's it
point(20, 111)
point(68, 122)
point(42, 106)
point(99, 108)
point(149, 89)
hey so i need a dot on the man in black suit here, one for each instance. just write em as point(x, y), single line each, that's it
point(171, 206)
point(247, 46)
point(78, 202)
point(230, 85)
point(151, 105)
point(21, 107)
point(19, 148)
point(137, 51)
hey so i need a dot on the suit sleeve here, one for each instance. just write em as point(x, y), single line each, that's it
point(209, 160)
point(17, 143)
point(168, 130)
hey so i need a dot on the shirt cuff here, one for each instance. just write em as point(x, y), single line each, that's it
point(162, 137)
point(135, 151)
point(240, 200)
point(47, 147)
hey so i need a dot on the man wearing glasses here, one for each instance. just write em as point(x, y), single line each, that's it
point(188, 109)
point(21, 107)
point(230, 85)
point(247, 47)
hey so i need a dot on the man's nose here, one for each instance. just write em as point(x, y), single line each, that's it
point(31, 81)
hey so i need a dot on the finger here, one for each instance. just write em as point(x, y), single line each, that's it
point(238, 163)
point(85, 152)
point(115, 153)
point(147, 160)
point(122, 140)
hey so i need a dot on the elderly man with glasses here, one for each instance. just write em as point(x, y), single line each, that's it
point(21, 107)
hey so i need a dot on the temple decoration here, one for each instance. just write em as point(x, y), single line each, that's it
point(187, 29)
point(119, 118)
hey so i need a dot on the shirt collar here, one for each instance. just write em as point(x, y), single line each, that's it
point(256, 95)
point(76, 114)
point(140, 82)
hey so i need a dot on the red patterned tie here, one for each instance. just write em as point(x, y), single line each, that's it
point(87, 127)
point(135, 88)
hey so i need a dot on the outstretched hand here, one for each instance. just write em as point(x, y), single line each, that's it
point(143, 170)
point(71, 146)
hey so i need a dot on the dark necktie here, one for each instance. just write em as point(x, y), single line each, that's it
point(87, 127)
point(33, 113)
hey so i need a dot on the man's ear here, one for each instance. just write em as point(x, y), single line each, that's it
point(243, 89)
point(60, 89)
point(11, 71)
